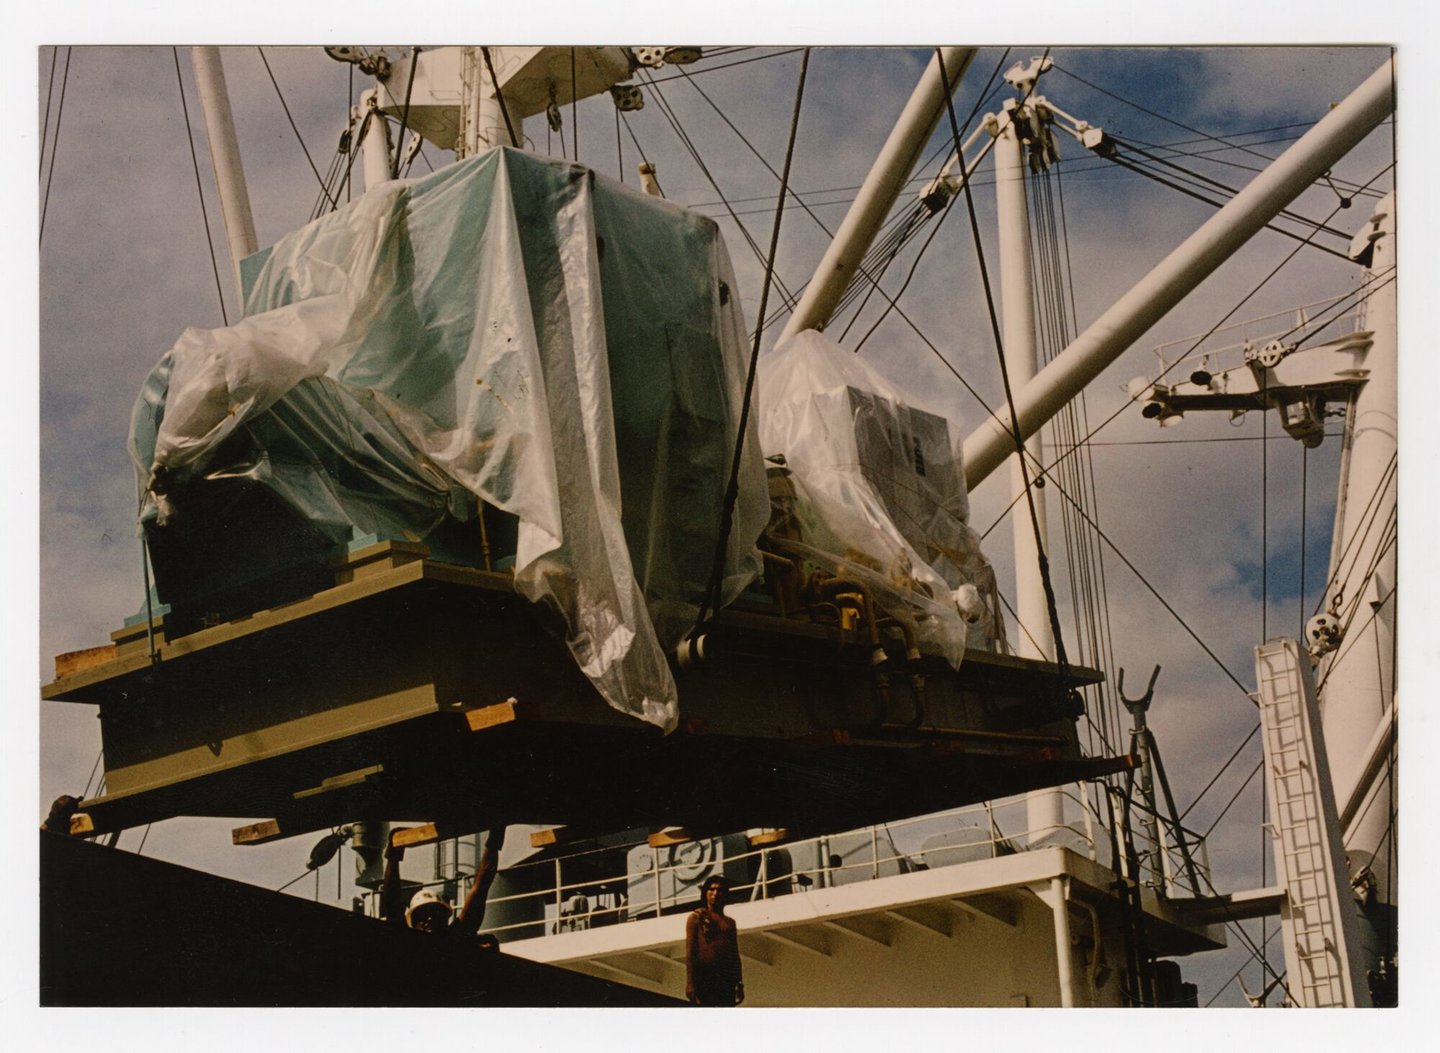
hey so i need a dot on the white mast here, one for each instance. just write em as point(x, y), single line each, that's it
point(375, 142)
point(482, 119)
point(225, 155)
point(1034, 638)
point(1357, 685)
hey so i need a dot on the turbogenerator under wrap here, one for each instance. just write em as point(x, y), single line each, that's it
point(879, 490)
point(512, 338)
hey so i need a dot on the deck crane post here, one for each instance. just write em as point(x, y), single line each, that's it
point(225, 154)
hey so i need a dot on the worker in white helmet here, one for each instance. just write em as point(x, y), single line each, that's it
point(427, 911)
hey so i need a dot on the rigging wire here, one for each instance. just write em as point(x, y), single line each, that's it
point(49, 98)
point(404, 114)
point(1368, 515)
point(728, 65)
point(919, 214)
point(1215, 328)
point(732, 490)
point(1106, 628)
point(915, 264)
point(1264, 630)
point(1221, 771)
point(1168, 120)
point(1235, 797)
point(1087, 163)
point(1348, 647)
point(349, 95)
point(292, 881)
point(1212, 155)
point(1151, 588)
point(1236, 975)
point(1304, 494)
point(640, 150)
point(199, 190)
point(1202, 439)
point(55, 144)
point(1232, 191)
point(298, 137)
point(1151, 175)
point(689, 145)
point(500, 96)
point(1093, 729)
point(619, 147)
point(1368, 288)
point(1060, 658)
point(356, 143)
point(795, 195)
point(1089, 607)
point(93, 769)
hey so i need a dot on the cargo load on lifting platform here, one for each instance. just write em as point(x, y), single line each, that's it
point(512, 381)
point(514, 361)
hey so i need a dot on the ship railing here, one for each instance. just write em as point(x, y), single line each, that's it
point(577, 892)
point(1336, 317)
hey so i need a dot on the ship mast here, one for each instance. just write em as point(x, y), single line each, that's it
point(225, 155)
point(1034, 637)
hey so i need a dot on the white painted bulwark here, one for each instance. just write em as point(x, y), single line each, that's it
point(972, 934)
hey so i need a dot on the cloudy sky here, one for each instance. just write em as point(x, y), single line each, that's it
point(124, 267)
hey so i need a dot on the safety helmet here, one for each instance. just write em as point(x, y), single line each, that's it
point(426, 900)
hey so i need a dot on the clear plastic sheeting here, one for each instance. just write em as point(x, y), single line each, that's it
point(880, 491)
point(470, 326)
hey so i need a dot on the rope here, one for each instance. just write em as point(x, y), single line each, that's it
point(93, 769)
point(292, 881)
point(1214, 778)
point(293, 127)
point(500, 98)
point(732, 490)
point(686, 142)
point(49, 98)
point(728, 65)
point(919, 215)
point(574, 103)
point(1153, 591)
point(1264, 635)
point(1304, 492)
point(1170, 120)
point(1060, 658)
point(1218, 325)
point(349, 95)
point(1232, 191)
point(404, 114)
point(55, 146)
point(639, 149)
point(619, 147)
point(1148, 174)
point(204, 215)
point(1236, 975)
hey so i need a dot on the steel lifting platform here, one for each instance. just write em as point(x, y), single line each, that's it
point(415, 690)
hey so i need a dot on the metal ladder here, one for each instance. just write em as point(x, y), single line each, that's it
point(1319, 925)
